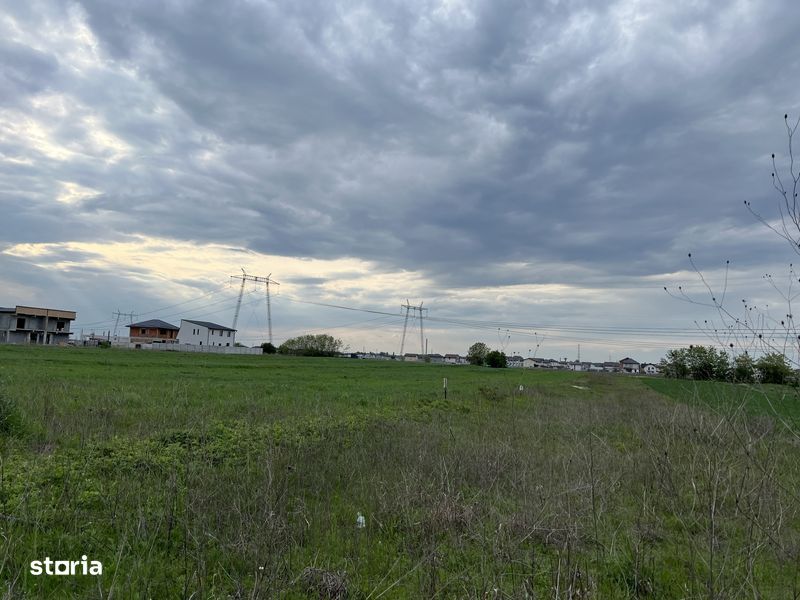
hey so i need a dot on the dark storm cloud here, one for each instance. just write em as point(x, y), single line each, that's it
point(357, 131)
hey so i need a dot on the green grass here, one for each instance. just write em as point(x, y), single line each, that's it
point(212, 476)
point(768, 400)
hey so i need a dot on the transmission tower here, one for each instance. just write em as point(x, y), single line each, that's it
point(119, 315)
point(417, 309)
point(255, 279)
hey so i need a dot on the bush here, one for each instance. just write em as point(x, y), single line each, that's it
point(773, 368)
point(744, 369)
point(496, 360)
point(311, 345)
point(697, 362)
point(268, 348)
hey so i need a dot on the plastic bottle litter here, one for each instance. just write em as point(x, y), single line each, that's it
point(361, 522)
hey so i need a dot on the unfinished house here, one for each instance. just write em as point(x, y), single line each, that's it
point(154, 330)
point(31, 325)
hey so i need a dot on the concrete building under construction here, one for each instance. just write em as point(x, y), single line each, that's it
point(31, 325)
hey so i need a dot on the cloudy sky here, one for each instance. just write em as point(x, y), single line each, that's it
point(516, 166)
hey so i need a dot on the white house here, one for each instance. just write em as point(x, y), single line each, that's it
point(205, 333)
point(455, 359)
point(515, 361)
point(649, 369)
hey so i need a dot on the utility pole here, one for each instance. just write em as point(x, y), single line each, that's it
point(255, 279)
point(409, 307)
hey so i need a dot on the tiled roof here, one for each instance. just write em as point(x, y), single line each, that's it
point(209, 325)
point(154, 323)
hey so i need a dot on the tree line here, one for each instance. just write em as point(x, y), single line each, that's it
point(709, 363)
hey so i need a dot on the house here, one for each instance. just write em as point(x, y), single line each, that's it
point(410, 357)
point(628, 365)
point(452, 359)
point(154, 330)
point(649, 369)
point(611, 367)
point(514, 361)
point(31, 325)
point(434, 358)
point(205, 333)
point(596, 367)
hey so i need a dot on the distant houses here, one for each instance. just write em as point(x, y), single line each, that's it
point(48, 326)
point(630, 366)
point(33, 325)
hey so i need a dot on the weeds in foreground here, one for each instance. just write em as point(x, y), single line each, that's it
point(553, 492)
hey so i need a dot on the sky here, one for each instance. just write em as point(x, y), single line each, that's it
point(533, 173)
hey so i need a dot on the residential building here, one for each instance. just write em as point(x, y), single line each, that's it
point(649, 369)
point(514, 361)
point(407, 357)
point(31, 325)
point(628, 365)
point(205, 333)
point(154, 330)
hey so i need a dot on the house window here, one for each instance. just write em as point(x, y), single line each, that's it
point(201, 342)
point(228, 344)
point(229, 334)
point(143, 332)
point(60, 326)
point(21, 323)
point(162, 332)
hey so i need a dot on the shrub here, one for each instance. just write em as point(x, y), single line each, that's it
point(311, 345)
point(496, 360)
point(744, 369)
point(697, 362)
point(773, 368)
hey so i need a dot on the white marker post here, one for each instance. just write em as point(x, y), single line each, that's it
point(445, 388)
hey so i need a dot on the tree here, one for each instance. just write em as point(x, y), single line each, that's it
point(706, 362)
point(476, 355)
point(496, 359)
point(744, 369)
point(674, 365)
point(697, 362)
point(773, 368)
point(311, 345)
point(268, 348)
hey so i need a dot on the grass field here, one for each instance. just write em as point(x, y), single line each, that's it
point(242, 476)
